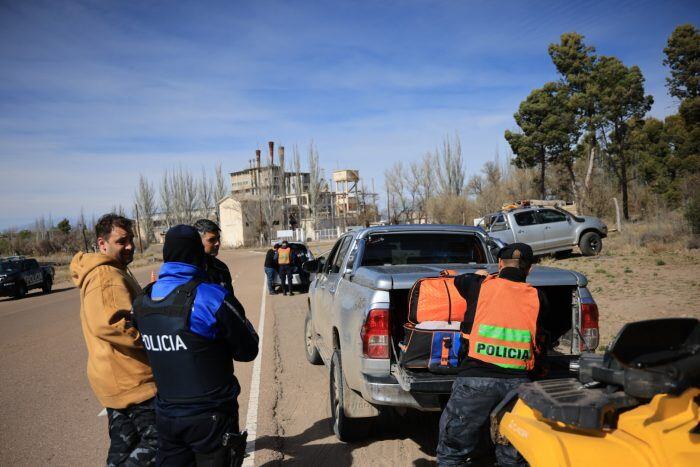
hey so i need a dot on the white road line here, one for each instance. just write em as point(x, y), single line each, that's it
point(252, 417)
point(103, 413)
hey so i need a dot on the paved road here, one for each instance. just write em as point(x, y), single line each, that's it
point(49, 416)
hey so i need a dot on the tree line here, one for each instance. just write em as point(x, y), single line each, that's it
point(584, 137)
point(594, 116)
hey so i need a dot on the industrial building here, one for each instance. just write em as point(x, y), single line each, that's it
point(269, 193)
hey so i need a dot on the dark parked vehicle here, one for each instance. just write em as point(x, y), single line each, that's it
point(18, 275)
point(300, 278)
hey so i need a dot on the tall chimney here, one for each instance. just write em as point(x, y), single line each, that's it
point(280, 153)
point(257, 158)
point(272, 152)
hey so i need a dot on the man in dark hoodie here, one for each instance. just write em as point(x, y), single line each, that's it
point(192, 330)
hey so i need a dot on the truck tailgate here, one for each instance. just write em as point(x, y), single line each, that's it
point(558, 366)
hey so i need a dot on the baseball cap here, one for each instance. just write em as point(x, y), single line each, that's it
point(521, 251)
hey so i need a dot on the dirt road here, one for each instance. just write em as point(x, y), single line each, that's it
point(50, 416)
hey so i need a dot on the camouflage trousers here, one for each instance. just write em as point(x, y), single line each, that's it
point(133, 435)
point(465, 420)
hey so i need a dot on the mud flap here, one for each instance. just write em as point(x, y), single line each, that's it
point(355, 406)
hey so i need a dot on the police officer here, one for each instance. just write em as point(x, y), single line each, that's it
point(285, 260)
point(500, 340)
point(192, 330)
point(211, 240)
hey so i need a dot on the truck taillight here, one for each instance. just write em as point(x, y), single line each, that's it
point(375, 334)
point(589, 327)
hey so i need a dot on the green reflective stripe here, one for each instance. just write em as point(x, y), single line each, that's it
point(506, 365)
point(504, 334)
point(502, 351)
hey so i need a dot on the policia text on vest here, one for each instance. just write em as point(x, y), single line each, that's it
point(163, 343)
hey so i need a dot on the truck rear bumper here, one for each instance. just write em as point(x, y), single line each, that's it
point(388, 391)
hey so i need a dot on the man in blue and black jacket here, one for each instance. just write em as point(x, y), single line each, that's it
point(192, 331)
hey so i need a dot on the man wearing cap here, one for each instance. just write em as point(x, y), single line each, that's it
point(499, 346)
point(285, 260)
point(192, 330)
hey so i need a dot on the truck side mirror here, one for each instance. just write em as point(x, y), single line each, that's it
point(495, 245)
point(313, 266)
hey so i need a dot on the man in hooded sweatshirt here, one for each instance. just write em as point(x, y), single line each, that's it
point(193, 330)
point(117, 365)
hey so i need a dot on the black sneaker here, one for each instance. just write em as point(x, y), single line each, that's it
point(291, 293)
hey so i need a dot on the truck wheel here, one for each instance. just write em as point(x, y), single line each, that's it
point(21, 290)
point(590, 244)
point(310, 349)
point(346, 429)
point(46, 285)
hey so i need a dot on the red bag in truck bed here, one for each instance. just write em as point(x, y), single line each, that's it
point(436, 299)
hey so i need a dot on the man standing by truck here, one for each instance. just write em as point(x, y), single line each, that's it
point(500, 337)
point(117, 366)
point(270, 269)
point(285, 260)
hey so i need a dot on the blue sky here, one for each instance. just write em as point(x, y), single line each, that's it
point(93, 93)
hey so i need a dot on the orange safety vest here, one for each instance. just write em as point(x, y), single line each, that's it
point(505, 324)
point(284, 255)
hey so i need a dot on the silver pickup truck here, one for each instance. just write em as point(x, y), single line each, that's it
point(547, 229)
point(358, 304)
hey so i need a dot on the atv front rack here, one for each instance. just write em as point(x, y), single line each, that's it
point(571, 402)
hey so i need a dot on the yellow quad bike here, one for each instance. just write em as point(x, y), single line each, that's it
point(636, 405)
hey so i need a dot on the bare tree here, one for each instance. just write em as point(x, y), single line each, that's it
point(145, 198)
point(166, 200)
point(298, 182)
point(270, 196)
point(219, 190)
point(450, 167)
point(206, 194)
point(401, 198)
point(184, 194)
point(315, 183)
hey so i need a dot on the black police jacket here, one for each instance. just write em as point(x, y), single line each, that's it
point(193, 372)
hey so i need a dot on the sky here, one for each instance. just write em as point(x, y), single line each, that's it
point(94, 93)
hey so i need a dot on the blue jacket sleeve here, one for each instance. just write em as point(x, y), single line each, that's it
point(237, 330)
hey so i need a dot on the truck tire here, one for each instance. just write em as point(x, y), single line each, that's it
point(346, 429)
point(310, 349)
point(47, 284)
point(590, 244)
point(21, 290)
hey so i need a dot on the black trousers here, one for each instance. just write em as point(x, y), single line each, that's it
point(466, 416)
point(133, 436)
point(195, 440)
point(286, 276)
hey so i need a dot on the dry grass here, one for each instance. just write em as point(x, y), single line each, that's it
point(646, 271)
point(61, 262)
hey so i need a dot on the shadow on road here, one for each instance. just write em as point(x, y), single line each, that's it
point(35, 293)
point(298, 450)
point(420, 427)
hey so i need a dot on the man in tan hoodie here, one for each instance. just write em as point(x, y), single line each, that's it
point(117, 366)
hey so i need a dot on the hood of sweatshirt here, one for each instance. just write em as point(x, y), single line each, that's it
point(83, 263)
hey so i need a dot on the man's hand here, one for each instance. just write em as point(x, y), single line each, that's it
point(481, 272)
